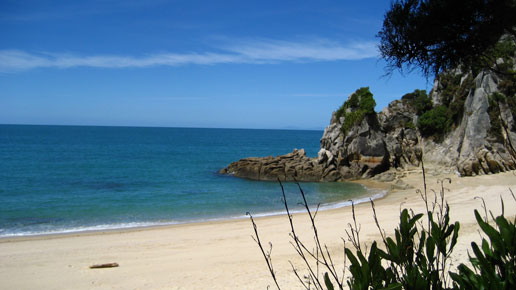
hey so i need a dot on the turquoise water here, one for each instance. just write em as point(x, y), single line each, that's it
point(57, 179)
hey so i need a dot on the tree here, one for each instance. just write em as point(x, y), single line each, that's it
point(437, 35)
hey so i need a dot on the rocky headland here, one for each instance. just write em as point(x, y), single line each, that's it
point(466, 125)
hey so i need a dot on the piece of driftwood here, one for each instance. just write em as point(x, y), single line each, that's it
point(107, 265)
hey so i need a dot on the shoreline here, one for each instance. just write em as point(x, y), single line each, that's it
point(382, 189)
point(221, 254)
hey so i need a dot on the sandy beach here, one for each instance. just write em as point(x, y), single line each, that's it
point(222, 255)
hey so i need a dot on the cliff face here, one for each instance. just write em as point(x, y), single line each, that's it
point(481, 140)
point(467, 125)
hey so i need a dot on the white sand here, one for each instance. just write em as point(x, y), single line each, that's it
point(222, 255)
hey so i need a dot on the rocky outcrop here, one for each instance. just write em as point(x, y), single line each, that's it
point(375, 144)
point(361, 152)
point(292, 166)
point(480, 137)
point(481, 141)
point(401, 136)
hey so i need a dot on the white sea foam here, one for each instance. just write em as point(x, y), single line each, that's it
point(373, 194)
point(328, 206)
point(96, 228)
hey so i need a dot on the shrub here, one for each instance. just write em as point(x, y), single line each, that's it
point(416, 258)
point(434, 121)
point(454, 90)
point(358, 105)
point(494, 262)
point(367, 102)
point(419, 100)
point(493, 110)
point(410, 125)
point(508, 88)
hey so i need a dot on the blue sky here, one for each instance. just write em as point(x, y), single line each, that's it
point(226, 64)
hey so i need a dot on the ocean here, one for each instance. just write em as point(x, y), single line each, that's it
point(62, 179)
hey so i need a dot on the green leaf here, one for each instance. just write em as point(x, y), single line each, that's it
point(430, 250)
point(404, 219)
point(327, 281)
point(484, 264)
point(494, 236)
point(351, 257)
point(485, 248)
point(414, 220)
point(455, 236)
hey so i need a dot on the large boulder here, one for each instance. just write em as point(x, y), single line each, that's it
point(398, 121)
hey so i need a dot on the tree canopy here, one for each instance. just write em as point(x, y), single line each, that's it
point(436, 35)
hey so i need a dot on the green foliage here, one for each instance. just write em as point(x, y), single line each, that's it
point(410, 125)
point(494, 261)
point(454, 94)
point(493, 110)
point(369, 272)
point(434, 122)
point(439, 120)
point(419, 100)
point(327, 282)
point(415, 258)
point(437, 35)
point(367, 102)
point(418, 257)
point(358, 105)
point(351, 119)
point(507, 87)
point(500, 58)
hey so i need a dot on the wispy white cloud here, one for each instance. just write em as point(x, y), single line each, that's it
point(308, 50)
point(256, 51)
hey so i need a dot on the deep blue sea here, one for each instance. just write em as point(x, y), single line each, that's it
point(59, 179)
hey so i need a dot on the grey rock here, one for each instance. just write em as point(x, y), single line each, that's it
point(469, 148)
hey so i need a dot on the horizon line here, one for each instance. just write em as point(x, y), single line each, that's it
point(157, 126)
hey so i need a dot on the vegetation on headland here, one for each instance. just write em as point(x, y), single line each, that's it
point(419, 100)
point(505, 53)
point(435, 120)
point(359, 104)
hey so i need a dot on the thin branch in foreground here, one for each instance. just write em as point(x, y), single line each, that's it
point(298, 245)
point(486, 218)
point(326, 260)
point(299, 277)
point(266, 255)
point(354, 236)
point(375, 216)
